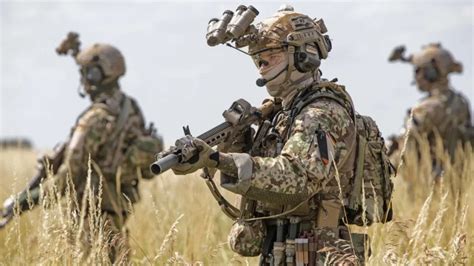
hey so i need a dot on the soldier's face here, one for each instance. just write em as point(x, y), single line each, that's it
point(91, 77)
point(269, 60)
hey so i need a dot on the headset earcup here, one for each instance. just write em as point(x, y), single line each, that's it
point(328, 43)
point(304, 62)
point(299, 57)
point(430, 73)
point(94, 75)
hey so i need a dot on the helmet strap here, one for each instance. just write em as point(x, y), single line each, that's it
point(291, 66)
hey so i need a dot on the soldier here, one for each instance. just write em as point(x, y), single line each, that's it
point(296, 188)
point(111, 134)
point(443, 112)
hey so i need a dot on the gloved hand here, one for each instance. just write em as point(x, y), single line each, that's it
point(6, 213)
point(240, 143)
point(196, 155)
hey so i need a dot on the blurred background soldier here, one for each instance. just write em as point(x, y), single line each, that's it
point(443, 113)
point(109, 139)
point(296, 180)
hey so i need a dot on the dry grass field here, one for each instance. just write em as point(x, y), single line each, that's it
point(178, 222)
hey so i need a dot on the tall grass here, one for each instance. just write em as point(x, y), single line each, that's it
point(178, 222)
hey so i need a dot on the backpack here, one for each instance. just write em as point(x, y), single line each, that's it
point(371, 186)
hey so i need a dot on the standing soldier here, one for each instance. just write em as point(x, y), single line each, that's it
point(109, 138)
point(443, 113)
point(303, 183)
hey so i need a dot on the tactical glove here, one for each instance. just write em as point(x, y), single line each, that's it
point(6, 213)
point(197, 154)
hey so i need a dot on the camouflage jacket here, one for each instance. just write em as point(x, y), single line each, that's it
point(107, 133)
point(299, 171)
point(444, 112)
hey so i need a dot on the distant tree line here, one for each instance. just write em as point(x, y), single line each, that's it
point(22, 143)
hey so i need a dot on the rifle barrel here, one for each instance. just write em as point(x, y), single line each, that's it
point(164, 164)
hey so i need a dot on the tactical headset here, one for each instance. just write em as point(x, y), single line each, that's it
point(310, 44)
point(94, 75)
point(430, 72)
point(308, 57)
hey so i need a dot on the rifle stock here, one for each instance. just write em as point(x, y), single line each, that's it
point(54, 162)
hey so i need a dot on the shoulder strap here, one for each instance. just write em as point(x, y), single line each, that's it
point(125, 109)
point(316, 92)
point(332, 92)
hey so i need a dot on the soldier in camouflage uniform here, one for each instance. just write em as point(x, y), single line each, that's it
point(443, 112)
point(111, 133)
point(294, 187)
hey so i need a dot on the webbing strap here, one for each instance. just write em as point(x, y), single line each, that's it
point(227, 208)
point(355, 199)
point(314, 94)
point(125, 111)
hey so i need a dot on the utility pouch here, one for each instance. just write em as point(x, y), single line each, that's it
point(328, 214)
point(246, 238)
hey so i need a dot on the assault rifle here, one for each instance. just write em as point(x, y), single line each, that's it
point(238, 118)
point(46, 164)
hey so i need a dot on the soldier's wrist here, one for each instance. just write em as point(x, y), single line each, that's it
point(214, 158)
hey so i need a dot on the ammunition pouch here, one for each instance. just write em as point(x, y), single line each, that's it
point(296, 240)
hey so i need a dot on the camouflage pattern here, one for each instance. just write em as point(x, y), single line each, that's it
point(273, 32)
point(109, 58)
point(308, 154)
point(444, 112)
point(113, 153)
point(109, 149)
point(442, 58)
point(372, 187)
point(246, 238)
point(291, 168)
point(299, 171)
point(281, 181)
point(332, 249)
point(118, 147)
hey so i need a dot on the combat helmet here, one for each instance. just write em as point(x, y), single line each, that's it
point(101, 64)
point(442, 60)
point(435, 61)
point(108, 58)
point(300, 36)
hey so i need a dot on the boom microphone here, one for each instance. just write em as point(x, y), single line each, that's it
point(261, 81)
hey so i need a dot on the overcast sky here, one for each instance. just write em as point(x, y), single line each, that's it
point(178, 80)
